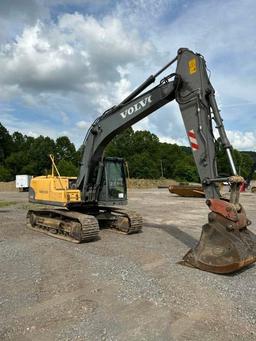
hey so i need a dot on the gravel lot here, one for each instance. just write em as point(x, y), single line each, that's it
point(121, 287)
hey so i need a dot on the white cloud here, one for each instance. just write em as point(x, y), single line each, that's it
point(16, 14)
point(242, 140)
point(179, 141)
point(144, 124)
point(77, 54)
point(83, 125)
point(64, 117)
point(143, 14)
point(33, 134)
point(71, 69)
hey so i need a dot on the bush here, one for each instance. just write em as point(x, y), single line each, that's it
point(5, 174)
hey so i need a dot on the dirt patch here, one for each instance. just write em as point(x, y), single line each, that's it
point(150, 183)
point(7, 186)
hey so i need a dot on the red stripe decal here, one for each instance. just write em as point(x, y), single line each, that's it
point(194, 146)
point(191, 134)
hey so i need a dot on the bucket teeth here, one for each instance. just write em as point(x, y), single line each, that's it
point(220, 250)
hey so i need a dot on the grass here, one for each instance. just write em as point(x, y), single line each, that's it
point(4, 203)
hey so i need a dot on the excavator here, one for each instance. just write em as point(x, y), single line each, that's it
point(94, 199)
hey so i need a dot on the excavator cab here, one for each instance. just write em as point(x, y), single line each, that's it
point(113, 187)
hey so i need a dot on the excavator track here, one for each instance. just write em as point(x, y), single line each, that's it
point(60, 223)
point(121, 220)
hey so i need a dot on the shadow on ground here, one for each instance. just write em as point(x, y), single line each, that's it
point(173, 230)
point(191, 242)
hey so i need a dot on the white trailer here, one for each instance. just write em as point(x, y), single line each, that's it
point(23, 182)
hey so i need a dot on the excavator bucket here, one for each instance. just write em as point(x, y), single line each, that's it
point(225, 245)
point(222, 251)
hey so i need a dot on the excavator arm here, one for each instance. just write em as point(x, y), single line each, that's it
point(114, 121)
point(226, 244)
point(191, 88)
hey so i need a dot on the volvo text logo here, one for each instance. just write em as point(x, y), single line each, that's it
point(137, 106)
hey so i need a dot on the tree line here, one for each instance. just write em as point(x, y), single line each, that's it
point(146, 156)
point(22, 154)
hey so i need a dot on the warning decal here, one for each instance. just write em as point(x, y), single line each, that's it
point(193, 140)
point(192, 65)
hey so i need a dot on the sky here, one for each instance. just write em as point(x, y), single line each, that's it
point(64, 62)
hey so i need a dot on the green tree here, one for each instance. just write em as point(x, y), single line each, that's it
point(6, 144)
point(142, 166)
point(169, 154)
point(243, 162)
point(16, 162)
point(18, 141)
point(245, 165)
point(65, 150)
point(185, 170)
point(38, 155)
point(121, 145)
point(5, 174)
point(21, 154)
point(67, 168)
point(145, 141)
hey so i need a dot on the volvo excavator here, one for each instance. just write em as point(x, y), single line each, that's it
point(94, 199)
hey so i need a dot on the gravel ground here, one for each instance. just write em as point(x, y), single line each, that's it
point(121, 287)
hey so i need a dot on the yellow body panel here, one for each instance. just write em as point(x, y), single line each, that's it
point(53, 189)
